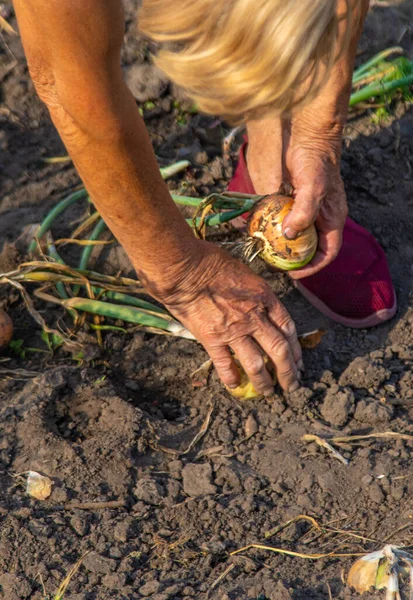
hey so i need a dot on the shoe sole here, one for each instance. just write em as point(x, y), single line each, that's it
point(377, 318)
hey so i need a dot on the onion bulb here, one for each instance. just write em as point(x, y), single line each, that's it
point(6, 329)
point(381, 570)
point(246, 389)
point(38, 486)
point(266, 237)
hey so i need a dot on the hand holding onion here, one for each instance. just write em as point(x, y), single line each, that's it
point(228, 307)
point(246, 389)
point(266, 239)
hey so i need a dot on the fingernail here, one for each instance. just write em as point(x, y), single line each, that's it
point(294, 387)
point(289, 233)
point(300, 365)
point(269, 392)
point(233, 386)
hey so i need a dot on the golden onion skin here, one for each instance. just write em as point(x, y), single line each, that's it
point(246, 390)
point(6, 329)
point(265, 225)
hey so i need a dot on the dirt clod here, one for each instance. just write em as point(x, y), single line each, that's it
point(376, 493)
point(80, 524)
point(148, 490)
point(197, 480)
point(149, 588)
point(14, 587)
point(300, 398)
point(338, 406)
point(96, 563)
point(364, 373)
point(373, 412)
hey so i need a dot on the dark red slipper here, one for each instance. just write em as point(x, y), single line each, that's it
point(356, 289)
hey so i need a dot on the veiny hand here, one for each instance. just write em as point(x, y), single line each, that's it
point(304, 152)
point(312, 166)
point(227, 307)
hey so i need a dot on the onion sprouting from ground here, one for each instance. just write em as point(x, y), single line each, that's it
point(266, 237)
point(246, 389)
point(382, 569)
point(6, 329)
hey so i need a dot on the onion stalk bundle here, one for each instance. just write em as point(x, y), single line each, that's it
point(113, 297)
point(378, 80)
point(266, 238)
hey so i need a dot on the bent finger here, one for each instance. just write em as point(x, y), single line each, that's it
point(303, 214)
point(279, 351)
point(253, 362)
point(328, 249)
point(279, 316)
point(225, 365)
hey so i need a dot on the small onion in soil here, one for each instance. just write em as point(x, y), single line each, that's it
point(246, 390)
point(266, 237)
point(6, 329)
point(382, 570)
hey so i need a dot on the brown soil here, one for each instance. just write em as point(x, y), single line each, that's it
point(95, 428)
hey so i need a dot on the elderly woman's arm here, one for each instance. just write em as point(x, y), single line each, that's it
point(73, 52)
point(307, 151)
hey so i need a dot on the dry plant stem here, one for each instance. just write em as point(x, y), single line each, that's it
point(321, 529)
point(200, 376)
point(19, 374)
point(84, 226)
point(222, 576)
point(54, 160)
point(402, 477)
point(398, 530)
point(53, 278)
point(214, 451)
point(35, 314)
point(63, 587)
point(94, 505)
point(32, 271)
point(360, 71)
point(39, 575)
point(65, 241)
point(324, 444)
point(330, 595)
point(295, 554)
point(275, 530)
point(5, 25)
point(355, 439)
point(195, 440)
point(351, 534)
point(359, 438)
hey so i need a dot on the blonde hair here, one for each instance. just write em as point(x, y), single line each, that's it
point(246, 58)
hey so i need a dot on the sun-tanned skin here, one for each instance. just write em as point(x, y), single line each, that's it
point(306, 152)
point(73, 51)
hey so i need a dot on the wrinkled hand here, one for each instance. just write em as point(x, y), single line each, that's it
point(227, 307)
point(312, 166)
